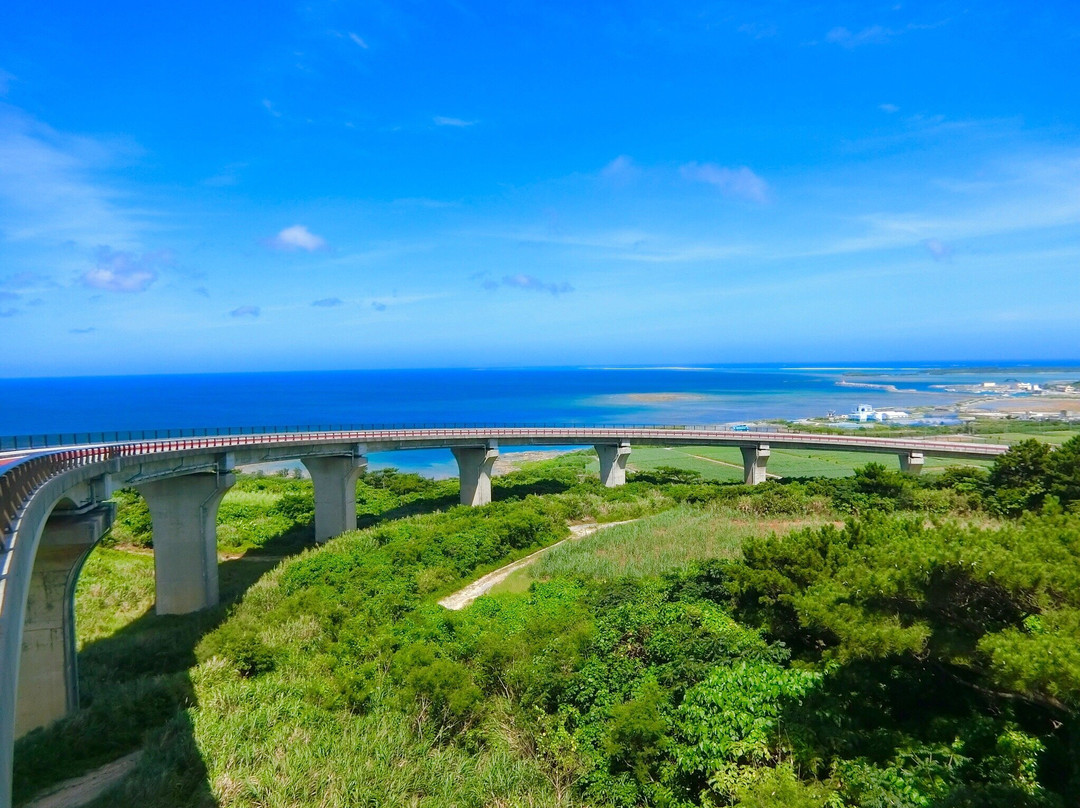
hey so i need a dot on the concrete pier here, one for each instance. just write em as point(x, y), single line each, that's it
point(754, 459)
point(912, 462)
point(48, 675)
point(613, 457)
point(335, 492)
point(184, 512)
point(474, 470)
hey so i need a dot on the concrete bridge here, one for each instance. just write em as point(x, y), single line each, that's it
point(54, 507)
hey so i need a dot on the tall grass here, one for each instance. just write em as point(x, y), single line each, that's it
point(114, 589)
point(658, 544)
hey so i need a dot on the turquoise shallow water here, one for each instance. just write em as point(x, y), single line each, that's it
point(702, 395)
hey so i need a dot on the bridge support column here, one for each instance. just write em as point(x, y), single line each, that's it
point(754, 460)
point(912, 462)
point(48, 686)
point(613, 457)
point(335, 493)
point(474, 470)
point(184, 513)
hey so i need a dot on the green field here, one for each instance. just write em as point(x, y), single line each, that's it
point(725, 463)
point(658, 544)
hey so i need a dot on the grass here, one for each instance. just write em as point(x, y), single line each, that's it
point(115, 588)
point(657, 544)
point(133, 666)
point(724, 463)
point(284, 738)
point(1055, 437)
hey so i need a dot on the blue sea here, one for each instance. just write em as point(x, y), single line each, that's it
point(722, 394)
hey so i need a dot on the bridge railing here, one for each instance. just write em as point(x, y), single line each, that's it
point(54, 440)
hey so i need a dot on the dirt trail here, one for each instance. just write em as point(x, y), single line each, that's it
point(722, 463)
point(466, 595)
point(81, 790)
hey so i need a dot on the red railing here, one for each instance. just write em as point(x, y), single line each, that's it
point(25, 474)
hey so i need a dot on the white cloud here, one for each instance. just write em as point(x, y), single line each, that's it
point(269, 106)
point(441, 120)
point(739, 182)
point(118, 271)
point(889, 108)
point(246, 311)
point(358, 40)
point(297, 237)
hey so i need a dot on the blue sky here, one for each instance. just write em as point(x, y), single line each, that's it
point(258, 186)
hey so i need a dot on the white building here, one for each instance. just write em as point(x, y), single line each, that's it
point(865, 412)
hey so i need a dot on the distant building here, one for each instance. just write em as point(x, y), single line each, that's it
point(865, 412)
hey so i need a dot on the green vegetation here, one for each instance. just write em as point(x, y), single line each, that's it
point(1008, 430)
point(659, 544)
point(733, 646)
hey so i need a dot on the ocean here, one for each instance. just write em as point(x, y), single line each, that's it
point(719, 394)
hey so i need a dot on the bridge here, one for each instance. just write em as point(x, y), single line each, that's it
point(54, 507)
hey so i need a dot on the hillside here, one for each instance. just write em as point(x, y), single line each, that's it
point(868, 640)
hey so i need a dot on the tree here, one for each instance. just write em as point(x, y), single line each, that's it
point(1063, 472)
point(1018, 478)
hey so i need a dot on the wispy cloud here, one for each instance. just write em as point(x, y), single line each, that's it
point(938, 249)
point(201, 291)
point(738, 182)
point(758, 30)
point(530, 283)
point(874, 34)
point(1019, 196)
point(441, 120)
point(89, 330)
point(328, 302)
point(269, 107)
point(9, 312)
point(51, 191)
point(297, 237)
point(889, 108)
point(358, 40)
point(14, 286)
point(246, 311)
point(621, 171)
point(5, 81)
point(120, 271)
point(633, 245)
point(227, 177)
point(375, 304)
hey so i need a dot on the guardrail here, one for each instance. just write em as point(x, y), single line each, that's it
point(62, 439)
point(23, 475)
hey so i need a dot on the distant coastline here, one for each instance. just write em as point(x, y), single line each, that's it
point(888, 388)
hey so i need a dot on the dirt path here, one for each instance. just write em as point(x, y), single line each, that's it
point(81, 790)
point(466, 595)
